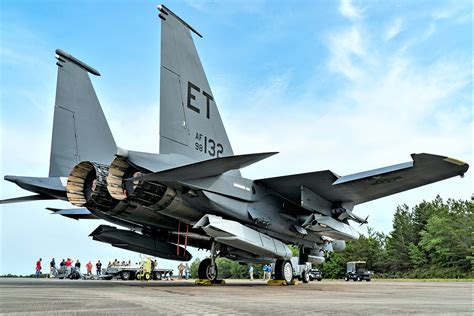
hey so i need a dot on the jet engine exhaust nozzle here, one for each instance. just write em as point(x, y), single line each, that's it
point(87, 186)
point(140, 192)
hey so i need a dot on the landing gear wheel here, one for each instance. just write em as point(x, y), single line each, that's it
point(284, 271)
point(157, 276)
point(147, 276)
point(206, 271)
point(305, 277)
point(125, 275)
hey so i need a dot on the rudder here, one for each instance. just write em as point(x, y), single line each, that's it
point(80, 129)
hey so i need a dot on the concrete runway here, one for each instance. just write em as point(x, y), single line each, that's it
point(79, 297)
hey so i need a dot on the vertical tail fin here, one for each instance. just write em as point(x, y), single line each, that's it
point(190, 123)
point(80, 130)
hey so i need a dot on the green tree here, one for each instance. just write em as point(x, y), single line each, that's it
point(447, 238)
point(417, 257)
point(335, 265)
point(403, 234)
point(195, 268)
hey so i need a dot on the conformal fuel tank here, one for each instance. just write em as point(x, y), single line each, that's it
point(234, 234)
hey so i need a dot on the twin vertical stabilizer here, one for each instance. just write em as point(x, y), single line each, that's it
point(190, 123)
point(80, 130)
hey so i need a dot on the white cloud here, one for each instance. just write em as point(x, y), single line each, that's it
point(390, 106)
point(347, 9)
point(346, 48)
point(393, 30)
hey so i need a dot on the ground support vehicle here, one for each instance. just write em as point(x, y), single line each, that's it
point(357, 271)
point(315, 274)
point(64, 273)
point(301, 271)
point(135, 273)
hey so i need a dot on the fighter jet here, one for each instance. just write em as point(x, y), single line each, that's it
point(192, 193)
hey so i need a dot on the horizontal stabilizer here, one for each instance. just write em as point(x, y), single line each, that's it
point(74, 213)
point(204, 169)
point(49, 187)
point(369, 185)
point(29, 198)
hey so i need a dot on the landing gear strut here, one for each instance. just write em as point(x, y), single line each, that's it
point(208, 267)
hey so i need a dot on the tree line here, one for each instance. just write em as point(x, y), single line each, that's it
point(430, 240)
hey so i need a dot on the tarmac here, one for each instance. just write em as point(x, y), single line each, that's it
point(236, 297)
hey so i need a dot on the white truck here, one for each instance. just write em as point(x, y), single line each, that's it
point(300, 271)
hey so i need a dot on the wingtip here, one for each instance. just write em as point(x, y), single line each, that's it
point(10, 178)
point(455, 161)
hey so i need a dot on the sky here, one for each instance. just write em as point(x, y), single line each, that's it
point(342, 85)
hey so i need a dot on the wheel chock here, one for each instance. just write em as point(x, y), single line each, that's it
point(281, 282)
point(209, 282)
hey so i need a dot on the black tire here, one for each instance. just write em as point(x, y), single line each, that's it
point(346, 278)
point(311, 278)
point(368, 280)
point(137, 275)
point(146, 276)
point(319, 280)
point(284, 271)
point(125, 275)
point(359, 279)
point(205, 270)
point(305, 277)
point(157, 275)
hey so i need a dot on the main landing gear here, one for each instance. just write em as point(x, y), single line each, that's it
point(207, 270)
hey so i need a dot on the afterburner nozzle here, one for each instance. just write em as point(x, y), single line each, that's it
point(117, 169)
point(87, 186)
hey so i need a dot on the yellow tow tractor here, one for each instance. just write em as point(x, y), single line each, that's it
point(145, 270)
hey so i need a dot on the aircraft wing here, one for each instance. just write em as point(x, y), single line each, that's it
point(204, 169)
point(74, 213)
point(368, 185)
point(29, 198)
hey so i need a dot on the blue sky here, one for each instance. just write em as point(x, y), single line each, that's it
point(346, 86)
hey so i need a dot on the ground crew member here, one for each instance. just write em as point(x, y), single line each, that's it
point(38, 268)
point(89, 268)
point(98, 267)
point(186, 272)
point(52, 268)
point(78, 267)
point(68, 265)
point(180, 270)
